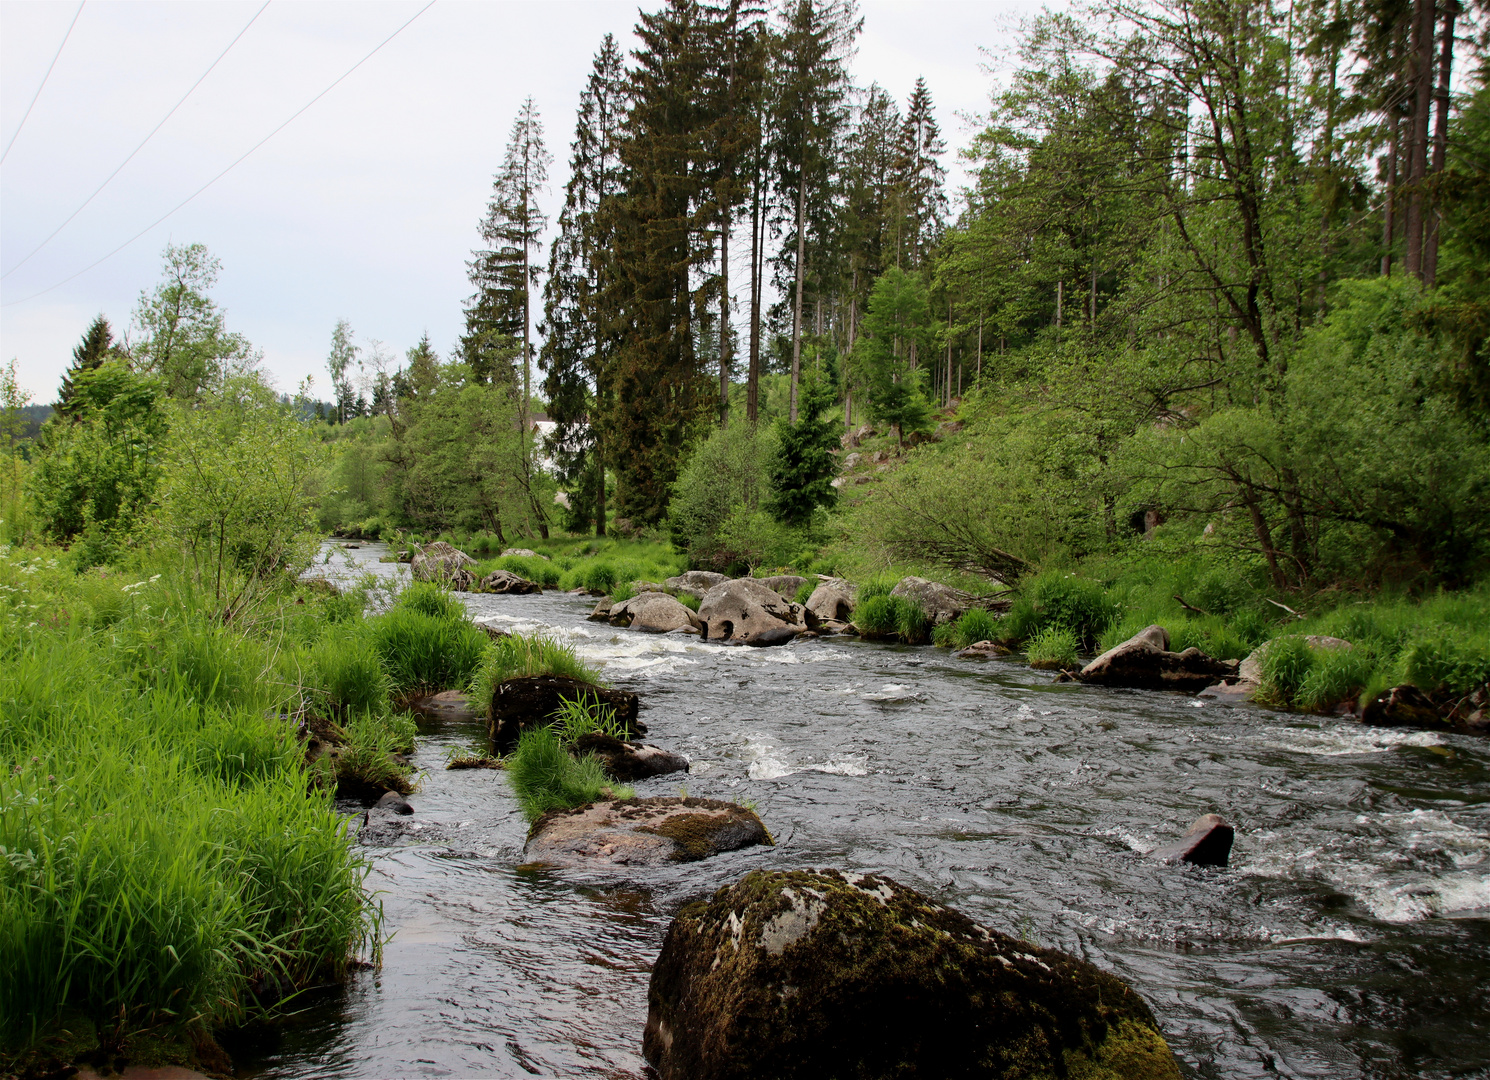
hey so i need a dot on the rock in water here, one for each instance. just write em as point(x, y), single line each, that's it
point(627, 761)
point(1144, 662)
point(395, 803)
point(1207, 842)
point(505, 581)
point(643, 832)
point(694, 582)
point(828, 603)
point(448, 706)
point(942, 603)
point(984, 649)
point(780, 635)
point(783, 585)
point(652, 612)
point(443, 563)
point(531, 701)
point(740, 609)
point(808, 973)
point(524, 553)
point(1402, 706)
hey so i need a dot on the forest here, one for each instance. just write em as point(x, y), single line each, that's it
point(1204, 343)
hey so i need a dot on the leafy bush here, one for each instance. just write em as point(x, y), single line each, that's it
point(1053, 647)
point(545, 777)
point(1057, 598)
point(718, 502)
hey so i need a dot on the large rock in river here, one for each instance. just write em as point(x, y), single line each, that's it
point(654, 612)
point(643, 832)
point(743, 609)
point(694, 582)
point(443, 563)
point(808, 973)
point(1144, 662)
point(829, 603)
point(785, 584)
point(942, 603)
point(628, 761)
point(505, 581)
point(531, 701)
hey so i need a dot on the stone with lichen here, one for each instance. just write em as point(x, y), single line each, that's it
point(643, 832)
point(803, 973)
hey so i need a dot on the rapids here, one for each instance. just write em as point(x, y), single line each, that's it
point(1350, 937)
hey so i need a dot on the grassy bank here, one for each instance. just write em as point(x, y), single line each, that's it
point(172, 859)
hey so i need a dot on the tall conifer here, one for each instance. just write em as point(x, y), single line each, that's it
point(89, 354)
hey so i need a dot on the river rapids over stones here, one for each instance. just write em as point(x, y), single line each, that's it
point(1349, 937)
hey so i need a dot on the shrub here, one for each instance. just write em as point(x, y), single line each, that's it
point(975, 625)
point(1056, 598)
point(545, 777)
point(599, 577)
point(1052, 647)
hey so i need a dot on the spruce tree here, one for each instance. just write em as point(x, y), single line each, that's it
point(920, 178)
point(576, 353)
point(89, 354)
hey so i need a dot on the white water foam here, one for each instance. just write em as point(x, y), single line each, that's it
point(1400, 866)
point(1341, 740)
point(766, 761)
point(895, 694)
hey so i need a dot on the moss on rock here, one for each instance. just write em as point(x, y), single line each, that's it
point(797, 974)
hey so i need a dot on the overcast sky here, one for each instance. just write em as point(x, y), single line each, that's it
point(365, 207)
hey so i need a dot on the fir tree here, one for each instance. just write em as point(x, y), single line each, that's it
point(89, 354)
point(920, 178)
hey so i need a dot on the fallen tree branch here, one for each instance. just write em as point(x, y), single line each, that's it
point(1286, 608)
point(1190, 607)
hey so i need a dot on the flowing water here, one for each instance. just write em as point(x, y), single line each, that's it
point(1350, 936)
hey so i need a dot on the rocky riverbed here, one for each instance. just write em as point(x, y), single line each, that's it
point(1349, 935)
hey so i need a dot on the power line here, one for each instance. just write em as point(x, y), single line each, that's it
point(44, 79)
point(231, 167)
point(137, 149)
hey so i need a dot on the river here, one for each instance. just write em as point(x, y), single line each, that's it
point(1350, 936)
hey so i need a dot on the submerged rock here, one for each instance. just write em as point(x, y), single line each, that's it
point(744, 608)
point(1402, 706)
point(694, 582)
point(627, 761)
point(983, 649)
point(810, 973)
point(643, 832)
point(942, 603)
point(394, 803)
point(531, 701)
point(446, 706)
point(505, 581)
point(1144, 662)
point(443, 563)
point(1207, 842)
point(652, 612)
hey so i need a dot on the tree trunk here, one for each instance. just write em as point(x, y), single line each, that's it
point(724, 322)
point(753, 376)
point(1388, 236)
point(1440, 141)
point(600, 472)
point(1059, 288)
point(797, 306)
point(979, 374)
point(1424, 21)
point(949, 352)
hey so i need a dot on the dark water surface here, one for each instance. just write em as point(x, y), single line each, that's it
point(1350, 937)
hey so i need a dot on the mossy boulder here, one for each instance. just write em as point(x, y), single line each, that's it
point(643, 832)
point(823, 974)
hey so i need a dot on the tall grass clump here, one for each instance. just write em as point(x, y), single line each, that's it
point(878, 585)
point(432, 599)
point(885, 616)
point(975, 625)
point(1059, 598)
point(545, 776)
point(425, 653)
point(519, 656)
point(1053, 648)
point(345, 672)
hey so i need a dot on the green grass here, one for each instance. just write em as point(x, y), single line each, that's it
point(1052, 648)
point(1059, 598)
point(544, 776)
point(165, 849)
point(586, 716)
point(974, 626)
point(883, 616)
point(517, 656)
point(425, 653)
point(805, 591)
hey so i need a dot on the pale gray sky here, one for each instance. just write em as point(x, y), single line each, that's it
point(365, 207)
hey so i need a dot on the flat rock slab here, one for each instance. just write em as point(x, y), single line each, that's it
point(446, 706)
point(1207, 842)
point(531, 701)
point(983, 650)
point(809, 973)
point(643, 832)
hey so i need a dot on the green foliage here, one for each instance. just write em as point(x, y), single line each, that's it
point(881, 615)
point(1285, 666)
point(179, 332)
point(587, 715)
point(1335, 675)
point(804, 592)
point(975, 625)
point(1059, 598)
point(1446, 661)
point(803, 468)
point(519, 656)
point(878, 585)
point(1053, 646)
point(346, 670)
point(895, 328)
point(545, 777)
point(426, 653)
point(718, 509)
point(433, 599)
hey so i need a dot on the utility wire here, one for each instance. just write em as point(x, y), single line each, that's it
point(137, 149)
point(231, 167)
point(44, 79)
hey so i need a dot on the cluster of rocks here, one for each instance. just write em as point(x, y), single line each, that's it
point(448, 565)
